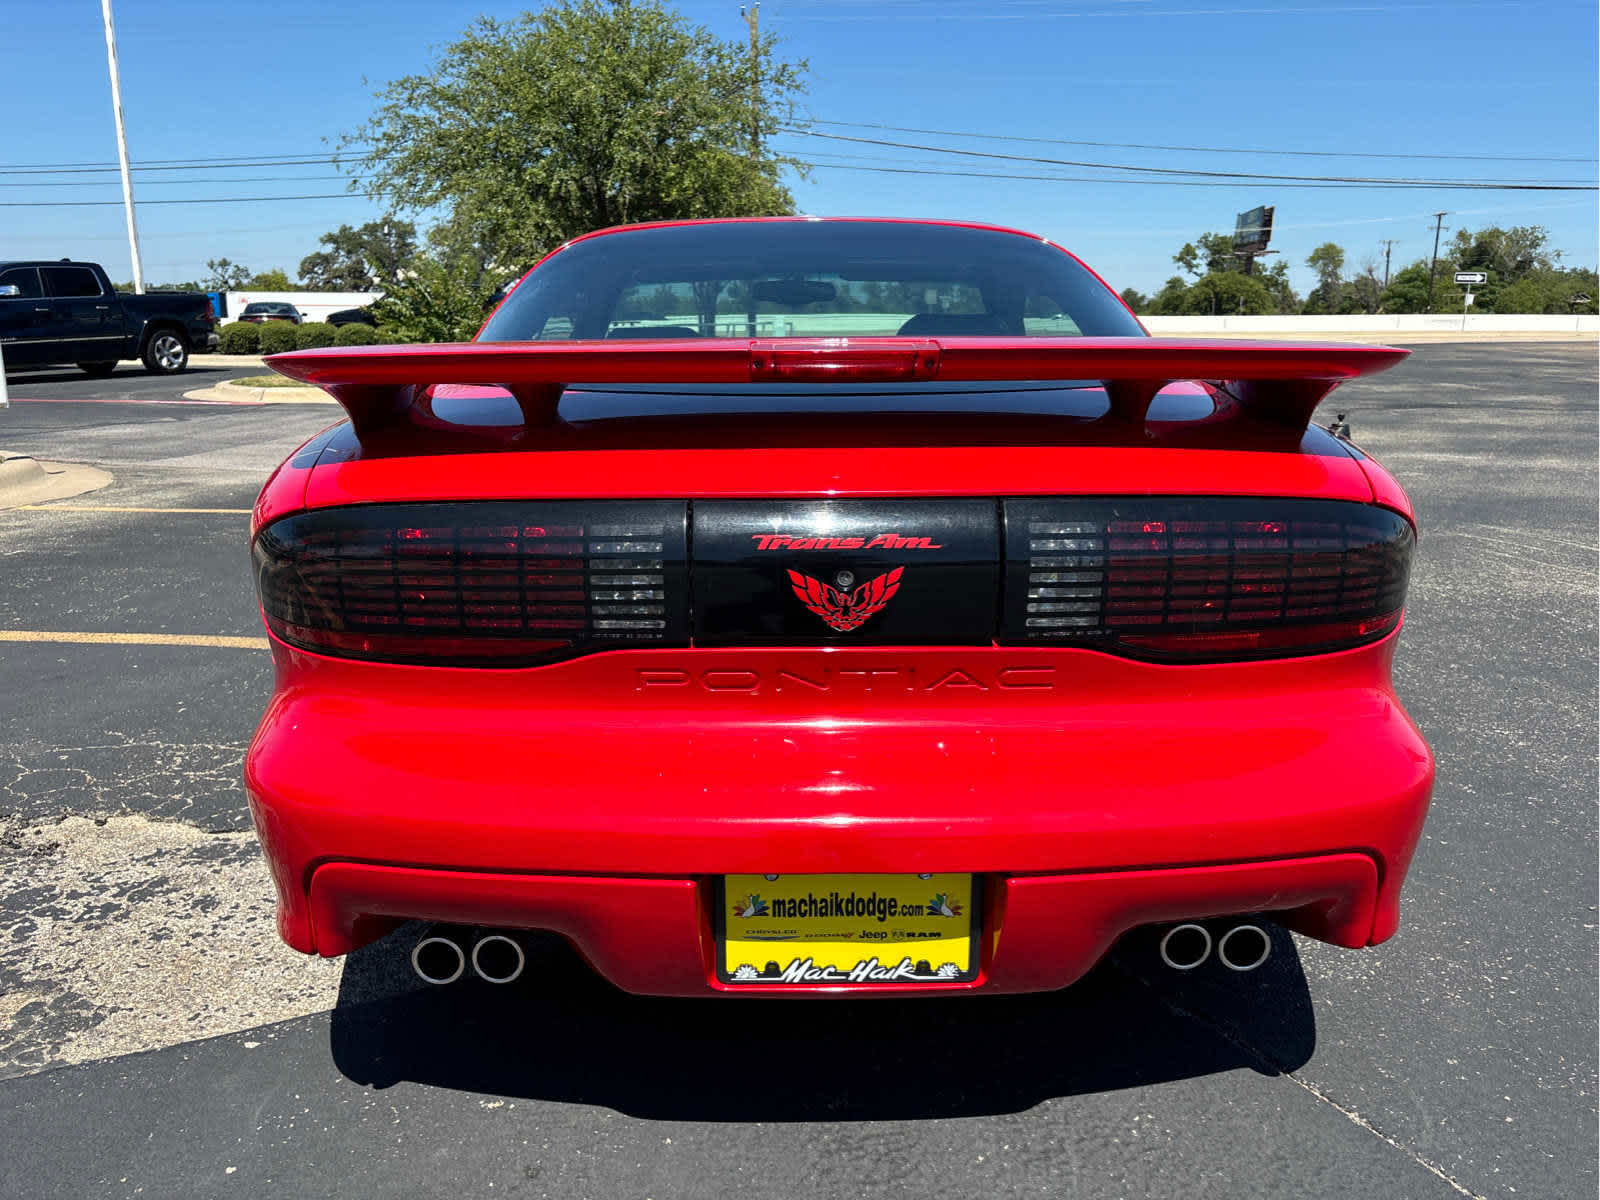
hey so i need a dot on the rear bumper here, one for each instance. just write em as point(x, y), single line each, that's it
point(599, 798)
point(653, 936)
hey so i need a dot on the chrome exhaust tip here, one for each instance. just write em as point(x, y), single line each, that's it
point(438, 960)
point(497, 958)
point(1185, 947)
point(1244, 947)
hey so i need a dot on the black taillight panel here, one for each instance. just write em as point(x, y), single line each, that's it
point(512, 583)
point(490, 583)
point(846, 572)
point(1183, 579)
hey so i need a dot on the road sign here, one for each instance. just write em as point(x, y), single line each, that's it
point(1470, 277)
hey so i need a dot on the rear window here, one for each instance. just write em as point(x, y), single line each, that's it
point(70, 281)
point(809, 279)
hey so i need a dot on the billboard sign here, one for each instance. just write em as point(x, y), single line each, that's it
point(1252, 230)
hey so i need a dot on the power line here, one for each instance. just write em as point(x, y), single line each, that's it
point(290, 162)
point(1200, 183)
point(1005, 137)
point(215, 158)
point(839, 161)
point(1371, 181)
point(100, 183)
point(210, 200)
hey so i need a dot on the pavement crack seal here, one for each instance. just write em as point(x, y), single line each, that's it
point(198, 782)
point(1268, 1064)
point(125, 933)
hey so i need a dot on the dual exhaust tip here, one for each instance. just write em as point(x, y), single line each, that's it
point(443, 957)
point(1241, 947)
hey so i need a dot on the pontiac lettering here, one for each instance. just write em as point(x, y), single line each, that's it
point(877, 679)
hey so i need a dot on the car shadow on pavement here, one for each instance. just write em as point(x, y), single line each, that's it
point(561, 1033)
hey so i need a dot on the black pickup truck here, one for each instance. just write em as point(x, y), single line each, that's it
point(68, 312)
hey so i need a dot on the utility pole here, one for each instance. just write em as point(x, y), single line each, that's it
point(1388, 247)
point(752, 17)
point(1433, 265)
point(122, 146)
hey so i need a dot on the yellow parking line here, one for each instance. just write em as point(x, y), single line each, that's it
point(134, 639)
point(122, 508)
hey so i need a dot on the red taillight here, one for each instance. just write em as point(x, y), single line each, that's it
point(1191, 580)
point(842, 360)
point(495, 583)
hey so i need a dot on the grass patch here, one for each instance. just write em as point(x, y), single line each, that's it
point(263, 381)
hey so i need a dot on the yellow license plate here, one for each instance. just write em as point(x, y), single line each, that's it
point(826, 930)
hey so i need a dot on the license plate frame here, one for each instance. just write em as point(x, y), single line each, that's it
point(813, 916)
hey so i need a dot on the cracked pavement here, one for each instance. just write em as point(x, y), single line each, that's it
point(157, 1039)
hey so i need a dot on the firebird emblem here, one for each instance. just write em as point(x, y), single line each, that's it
point(844, 610)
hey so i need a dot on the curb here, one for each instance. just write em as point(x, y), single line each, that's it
point(26, 480)
point(230, 393)
point(227, 360)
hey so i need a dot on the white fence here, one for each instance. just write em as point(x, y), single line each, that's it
point(1478, 323)
point(313, 306)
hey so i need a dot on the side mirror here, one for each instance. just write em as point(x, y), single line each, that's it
point(9, 289)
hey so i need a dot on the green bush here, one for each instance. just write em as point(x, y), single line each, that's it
point(356, 334)
point(241, 337)
point(315, 335)
point(278, 336)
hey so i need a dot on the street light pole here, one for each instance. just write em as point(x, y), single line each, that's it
point(122, 146)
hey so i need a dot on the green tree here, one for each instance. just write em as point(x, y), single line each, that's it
point(1208, 254)
point(1227, 293)
point(1327, 260)
point(1285, 300)
point(1507, 254)
point(1364, 293)
point(275, 280)
point(225, 276)
point(1136, 300)
point(1172, 300)
point(585, 114)
point(364, 259)
point(1548, 291)
point(435, 299)
point(1407, 291)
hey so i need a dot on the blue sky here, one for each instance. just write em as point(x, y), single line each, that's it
point(1475, 77)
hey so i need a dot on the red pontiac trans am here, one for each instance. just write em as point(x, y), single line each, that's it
point(831, 607)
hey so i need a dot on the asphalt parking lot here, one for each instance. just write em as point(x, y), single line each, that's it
point(155, 1039)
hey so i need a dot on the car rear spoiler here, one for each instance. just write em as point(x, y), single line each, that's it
point(1276, 382)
